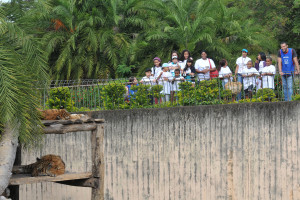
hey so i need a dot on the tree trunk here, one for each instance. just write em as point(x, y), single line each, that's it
point(8, 148)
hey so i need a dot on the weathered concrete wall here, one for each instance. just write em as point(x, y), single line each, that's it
point(240, 151)
point(75, 150)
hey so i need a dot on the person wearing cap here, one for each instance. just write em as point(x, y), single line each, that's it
point(156, 69)
point(148, 79)
point(287, 61)
point(204, 66)
point(241, 64)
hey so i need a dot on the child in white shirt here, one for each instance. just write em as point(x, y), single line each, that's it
point(174, 65)
point(165, 78)
point(148, 79)
point(155, 71)
point(268, 73)
point(175, 83)
point(225, 73)
point(249, 74)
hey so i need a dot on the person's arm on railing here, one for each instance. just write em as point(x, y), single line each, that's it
point(279, 61)
point(297, 70)
point(203, 71)
point(236, 69)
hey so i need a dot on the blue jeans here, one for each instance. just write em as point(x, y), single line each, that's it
point(287, 85)
point(240, 79)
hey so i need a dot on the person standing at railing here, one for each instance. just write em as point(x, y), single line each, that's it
point(185, 55)
point(261, 58)
point(204, 66)
point(166, 77)
point(225, 73)
point(287, 60)
point(155, 71)
point(132, 81)
point(148, 80)
point(249, 74)
point(175, 84)
point(267, 74)
point(189, 71)
point(241, 64)
point(174, 65)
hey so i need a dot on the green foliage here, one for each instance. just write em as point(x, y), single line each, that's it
point(22, 76)
point(141, 97)
point(156, 91)
point(124, 71)
point(204, 93)
point(58, 97)
point(296, 97)
point(113, 96)
point(265, 94)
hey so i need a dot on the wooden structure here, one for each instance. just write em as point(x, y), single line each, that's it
point(80, 144)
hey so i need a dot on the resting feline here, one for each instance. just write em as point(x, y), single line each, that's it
point(59, 114)
point(48, 165)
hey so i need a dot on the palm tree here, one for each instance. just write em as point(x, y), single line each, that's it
point(22, 71)
point(84, 38)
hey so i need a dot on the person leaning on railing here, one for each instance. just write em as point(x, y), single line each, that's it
point(249, 74)
point(287, 60)
point(267, 74)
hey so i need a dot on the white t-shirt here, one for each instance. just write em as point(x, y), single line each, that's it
point(247, 81)
point(268, 81)
point(182, 64)
point(171, 64)
point(225, 71)
point(166, 84)
point(242, 63)
point(175, 84)
point(261, 65)
point(156, 71)
point(148, 81)
point(204, 64)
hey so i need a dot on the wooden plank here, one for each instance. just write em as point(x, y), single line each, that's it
point(68, 122)
point(91, 182)
point(19, 179)
point(98, 161)
point(62, 129)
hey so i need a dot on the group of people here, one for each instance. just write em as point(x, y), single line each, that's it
point(258, 74)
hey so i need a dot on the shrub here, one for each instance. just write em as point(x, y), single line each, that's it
point(296, 97)
point(142, 96)
point(112, 96)
point(205, 93)
point(266, 94)
point(156, 91)
point(58, 97)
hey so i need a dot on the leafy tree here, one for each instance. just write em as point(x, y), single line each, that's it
point(22, 76)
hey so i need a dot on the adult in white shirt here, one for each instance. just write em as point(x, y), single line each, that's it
point(241, 64)
point(204, 66)
point(268, 73)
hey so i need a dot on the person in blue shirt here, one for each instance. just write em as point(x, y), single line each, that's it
point(132, 81)
point(287, 61)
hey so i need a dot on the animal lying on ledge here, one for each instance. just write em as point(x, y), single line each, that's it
point(59, 114)
point(48, 165)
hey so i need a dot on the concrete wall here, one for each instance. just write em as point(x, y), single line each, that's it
point(75, 150)
point(240, 151)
